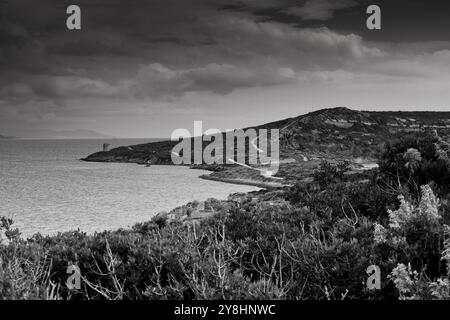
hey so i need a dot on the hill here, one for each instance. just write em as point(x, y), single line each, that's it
point(334, 134)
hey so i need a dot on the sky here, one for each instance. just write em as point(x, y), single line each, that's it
point(143, 68)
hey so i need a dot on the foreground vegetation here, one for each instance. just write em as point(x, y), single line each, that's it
point(308, 241)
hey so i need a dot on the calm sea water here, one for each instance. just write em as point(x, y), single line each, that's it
point(46, 189)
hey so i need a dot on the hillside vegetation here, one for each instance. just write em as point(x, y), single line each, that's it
point(304, 241)
point(332, 135)
point(337, 132)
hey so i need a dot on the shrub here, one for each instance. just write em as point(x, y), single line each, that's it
point(415, 236)
point(309, 241)
point(416, 160)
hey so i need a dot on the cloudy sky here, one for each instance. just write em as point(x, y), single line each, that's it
point(142, 68)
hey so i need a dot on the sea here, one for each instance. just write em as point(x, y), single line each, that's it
point(45, 187)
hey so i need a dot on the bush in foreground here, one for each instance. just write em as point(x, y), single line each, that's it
point(305, 242)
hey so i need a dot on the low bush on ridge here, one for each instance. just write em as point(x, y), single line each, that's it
point(309, 241)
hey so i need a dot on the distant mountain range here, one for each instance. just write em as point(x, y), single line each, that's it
point(64, 134)
point(327, 133)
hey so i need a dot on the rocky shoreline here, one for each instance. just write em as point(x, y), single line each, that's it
point(193, 212)
point(248, 182)
point(335, 135)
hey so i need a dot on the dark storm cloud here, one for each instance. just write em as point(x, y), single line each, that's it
point(204, 46)
point(18, 50)
point(138, 53)
point(319, 9)
point(136, 27)
point(403, 20)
